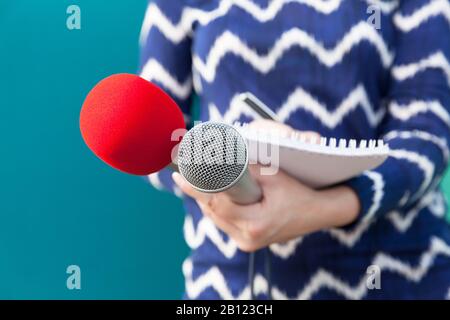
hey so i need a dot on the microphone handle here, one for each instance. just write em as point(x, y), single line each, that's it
point(245, 191)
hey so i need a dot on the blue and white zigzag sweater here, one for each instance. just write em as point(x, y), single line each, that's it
point(322, 66)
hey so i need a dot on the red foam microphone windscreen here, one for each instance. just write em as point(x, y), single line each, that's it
point(128, 123)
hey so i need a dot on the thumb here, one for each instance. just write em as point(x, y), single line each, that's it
point(262, 174)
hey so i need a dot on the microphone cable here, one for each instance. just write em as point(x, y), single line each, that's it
point(251, 274)
point(267, 271)
point(268, 267)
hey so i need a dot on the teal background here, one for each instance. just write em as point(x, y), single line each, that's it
point(59, 205)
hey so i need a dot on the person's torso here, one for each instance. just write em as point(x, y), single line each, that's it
point(324, 69)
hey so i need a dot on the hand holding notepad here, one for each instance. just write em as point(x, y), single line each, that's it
point(315, 162)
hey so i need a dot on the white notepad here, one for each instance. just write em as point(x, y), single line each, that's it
point(317, 163)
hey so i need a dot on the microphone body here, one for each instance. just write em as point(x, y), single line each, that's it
point(245, 191)
point(213, 157)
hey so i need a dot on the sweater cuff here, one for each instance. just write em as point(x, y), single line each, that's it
point(367, 187)
point(382, 190)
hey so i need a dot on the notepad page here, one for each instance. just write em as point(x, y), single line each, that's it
point(315, 162)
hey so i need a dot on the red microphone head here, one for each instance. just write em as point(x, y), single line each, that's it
point(128, 123)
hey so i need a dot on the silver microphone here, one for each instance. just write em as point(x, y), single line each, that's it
point(213, 157)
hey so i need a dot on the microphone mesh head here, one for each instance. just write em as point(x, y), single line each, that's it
point(212, 156)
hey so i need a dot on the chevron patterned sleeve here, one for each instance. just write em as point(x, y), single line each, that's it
point(165, 59)
point(417, 121)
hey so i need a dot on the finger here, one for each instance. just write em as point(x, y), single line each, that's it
point(257, 173)
point(309, 136)
point(205, 209)
point(225, 225)
point(189, 190)
point(221, 205)
point(218, 203)
point(265, 180)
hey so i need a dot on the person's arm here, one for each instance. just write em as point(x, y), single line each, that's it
point(417, 122)
point(166, 62)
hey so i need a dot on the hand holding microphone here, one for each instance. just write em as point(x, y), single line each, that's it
point(213, 157)
point(289, 208)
